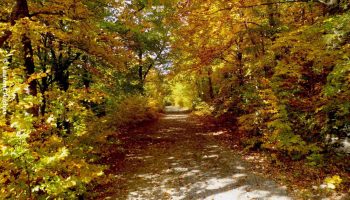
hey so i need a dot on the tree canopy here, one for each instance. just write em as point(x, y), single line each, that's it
point(74, 72)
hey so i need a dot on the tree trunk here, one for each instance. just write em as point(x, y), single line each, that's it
point(21, 11)
point(240, 68)
point(271, 12)
point(210, 85)
point(140, 72)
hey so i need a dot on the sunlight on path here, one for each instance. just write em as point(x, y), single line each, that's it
point(178, 158)
point(176, 110)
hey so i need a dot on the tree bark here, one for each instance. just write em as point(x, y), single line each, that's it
point(21, 11)
point(210, 84)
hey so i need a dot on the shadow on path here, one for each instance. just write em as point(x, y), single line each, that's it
point(178, 157)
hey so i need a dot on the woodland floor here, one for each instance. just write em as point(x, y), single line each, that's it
point(181, 157)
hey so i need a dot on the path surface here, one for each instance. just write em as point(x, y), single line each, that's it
point(179, 157)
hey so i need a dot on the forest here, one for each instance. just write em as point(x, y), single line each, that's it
point(78, 76)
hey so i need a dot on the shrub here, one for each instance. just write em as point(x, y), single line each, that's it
point(132, 109)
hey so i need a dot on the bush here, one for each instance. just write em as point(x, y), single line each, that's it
point(41, 160)
point(203, 109)
point(131, 110)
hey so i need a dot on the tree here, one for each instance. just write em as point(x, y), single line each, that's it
point(263, 57)
point(44, 44)
point(141, 25)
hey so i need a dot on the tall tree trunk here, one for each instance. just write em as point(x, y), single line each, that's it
point(21, 11)
point(86, 76)
point(61, 70)
point(210, 84)
point(29, 63)
point(240, 68)
point(271, 12)
point(140, 71)
point(44, 88)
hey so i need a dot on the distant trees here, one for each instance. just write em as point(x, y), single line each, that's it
point(146, 34)
point(273, 65)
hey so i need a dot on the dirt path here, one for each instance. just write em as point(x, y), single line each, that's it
point(179, 157)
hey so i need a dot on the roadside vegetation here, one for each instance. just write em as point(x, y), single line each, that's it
point(76, 74)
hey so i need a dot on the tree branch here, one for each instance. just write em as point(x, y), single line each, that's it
point(147, 71)
point(46, 13)
point(70, 60)
point(325, 2)
point(5, 37)
point(277, 2)
point(254, 23)
point(4, 20)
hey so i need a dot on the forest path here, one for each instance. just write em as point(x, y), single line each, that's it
point(179, 157)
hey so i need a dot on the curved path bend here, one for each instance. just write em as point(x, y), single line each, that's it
point(179, 158)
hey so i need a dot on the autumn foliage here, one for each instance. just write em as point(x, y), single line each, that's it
point(279, 69)
point(74, 72)
point(68, 83)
